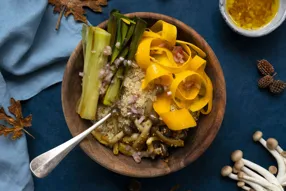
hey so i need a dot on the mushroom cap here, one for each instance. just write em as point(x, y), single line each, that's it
point(236, 155)
point(226, 171)
point(273, 169)
point(240, 184)
point(257, 136)
point(283, 154)
point(238, 165)
point(234, 171)
point(271, 143)
point(240, 175)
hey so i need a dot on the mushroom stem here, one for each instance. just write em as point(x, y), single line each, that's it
point(246, 188)
point(283, 179)
point(279, 149)
point(253, 185)
point(233, 176)
point(237, 156)
point(264, 184)
point(227, 171)
point(283, 154)
point(271, 145)
point(266, 174)
point(252, 174)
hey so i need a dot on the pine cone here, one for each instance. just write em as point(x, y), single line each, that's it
point(265, 67)
point(265, 81)
point(277, 87)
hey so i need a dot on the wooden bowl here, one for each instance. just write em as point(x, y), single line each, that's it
point(200, 137)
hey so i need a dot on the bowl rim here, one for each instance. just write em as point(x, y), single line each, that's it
point(267, 29)
point(217, 121)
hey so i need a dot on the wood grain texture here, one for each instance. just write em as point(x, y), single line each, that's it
point(200, 138)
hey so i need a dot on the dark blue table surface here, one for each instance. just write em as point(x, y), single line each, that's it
point(248, 108)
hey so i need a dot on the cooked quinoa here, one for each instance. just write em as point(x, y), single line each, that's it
point(132, 101)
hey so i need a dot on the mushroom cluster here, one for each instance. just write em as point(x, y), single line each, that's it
point(253, 177)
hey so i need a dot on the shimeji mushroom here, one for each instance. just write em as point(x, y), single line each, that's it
point(268, 177)
point(227, 171)
point(271, 145)
point(273, 169)
point(253, 177)
point(264, 184)
point(240, 166)
point(272, 141)
point(237, 157)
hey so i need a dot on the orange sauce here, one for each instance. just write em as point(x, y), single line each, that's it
point(252, 14)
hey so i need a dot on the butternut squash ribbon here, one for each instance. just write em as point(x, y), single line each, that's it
point(191, 88)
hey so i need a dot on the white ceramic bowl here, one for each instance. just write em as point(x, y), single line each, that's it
point(275, 23)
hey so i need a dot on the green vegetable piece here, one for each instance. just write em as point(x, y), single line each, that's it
point(169, 141)
point(116, 50)
point(139, 143)
point(113, 90)
point(131, 139)
point(124, 30)
point(119, 29)
point(115, 149)
point(84, 34)
point(112, 26)
point(98, 137)
point(124, 52)
point(125, 149)
point(116, 138)
point(120, 16)
point(97, 40)
point(139, 30)
point(129, 35)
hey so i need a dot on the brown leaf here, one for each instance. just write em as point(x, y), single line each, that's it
point(5, 117)
point(5, 131)
point(17, 134)
point(18, 123)
point(15, 108)
point(27, 122)
point(76, 8)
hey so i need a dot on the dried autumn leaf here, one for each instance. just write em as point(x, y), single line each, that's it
point(75, 7)
point(18, 123)
point(5, 117)
point(15, 108)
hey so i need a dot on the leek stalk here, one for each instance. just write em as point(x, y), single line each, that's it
point(84, 31)
point(134, 33)
point(114, 88)
point(96, 40)
point(138, 32)
point(112, 27)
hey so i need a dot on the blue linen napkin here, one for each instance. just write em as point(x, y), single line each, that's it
point(33, 56)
